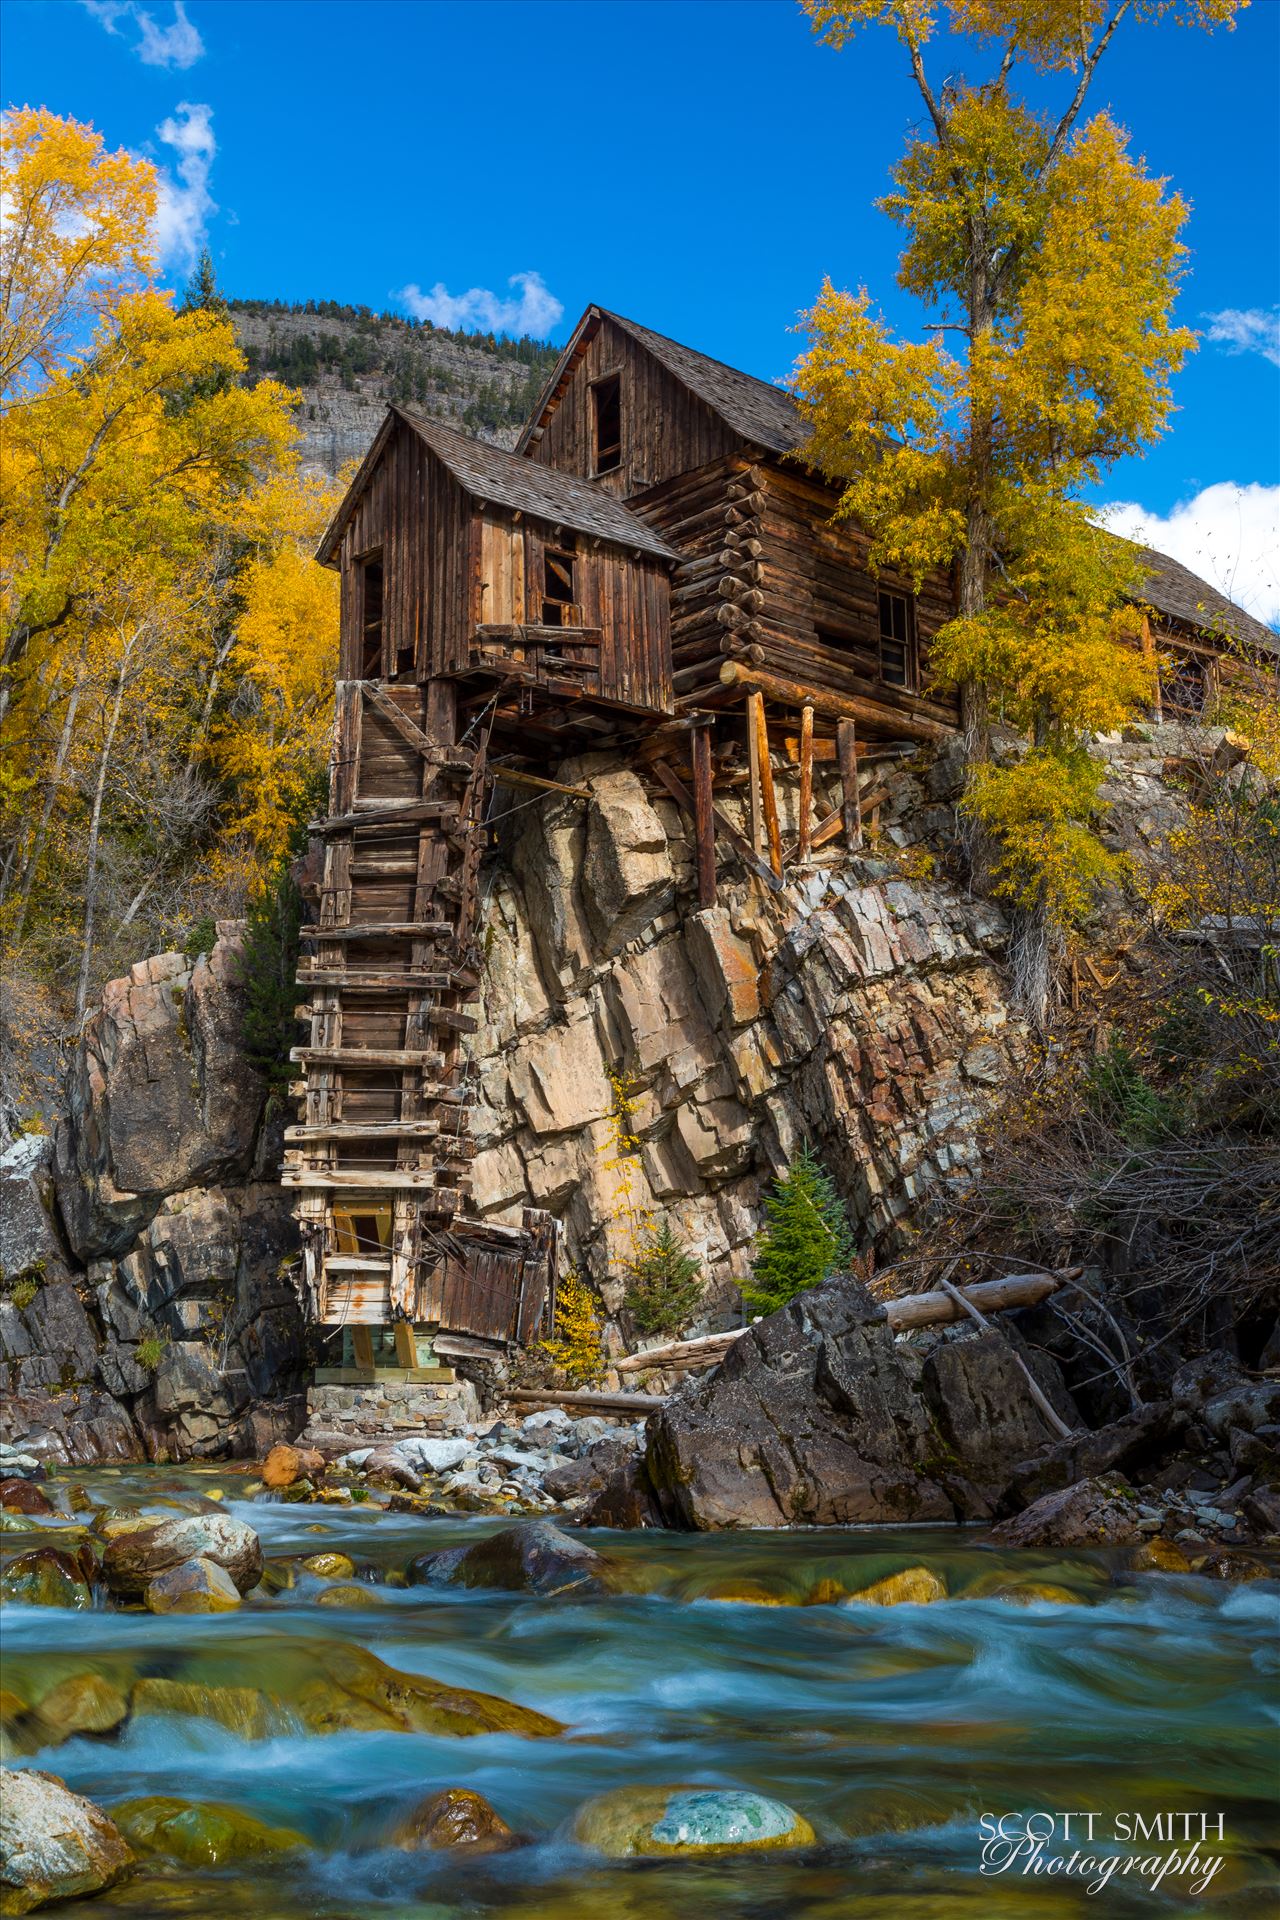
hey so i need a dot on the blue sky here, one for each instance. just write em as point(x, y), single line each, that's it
point(698, 164)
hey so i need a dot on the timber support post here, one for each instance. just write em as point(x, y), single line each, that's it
point(847, 757)
point(704, 814)
point(806, 784)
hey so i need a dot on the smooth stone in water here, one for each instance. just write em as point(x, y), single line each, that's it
point(241, 1710)
point(83, 1703)
point(330, 1566)
point(914, 1586)
point(23, 1496)
point(455, 1817)
point(134, 1559)
point(535, 1557)
point(201, 1833)
point(349, 1594)
point(48, 1577)
point(54, 1844)
point(201, 1586)
point(688, 1820)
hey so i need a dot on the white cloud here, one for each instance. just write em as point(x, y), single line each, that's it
point(1247, 330)
point(534, 309)
point(177, 45)
point(1228, 534)
point(185, 204)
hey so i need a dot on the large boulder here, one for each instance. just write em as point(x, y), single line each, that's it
point(818, 1416)
point(627, 877)
point(136, 1558)
point(161, 1097)
point(54, 1844)
point(1093, 1513)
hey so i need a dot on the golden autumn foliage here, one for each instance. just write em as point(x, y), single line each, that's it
point(1050, 262)
point(576, 1346)
point(167, 644)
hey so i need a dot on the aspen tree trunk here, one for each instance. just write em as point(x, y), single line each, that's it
point(31, 864)
point(95, 829)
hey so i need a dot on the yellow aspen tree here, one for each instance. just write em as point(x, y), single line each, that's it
point(1052, 261)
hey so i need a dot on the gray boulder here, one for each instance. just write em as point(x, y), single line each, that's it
point(1093, 1513)
point(135, 1558)
point(28, 1240)
point(534, 1557)
point(54, 1844)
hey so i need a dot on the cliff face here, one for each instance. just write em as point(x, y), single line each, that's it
point(637, 1059)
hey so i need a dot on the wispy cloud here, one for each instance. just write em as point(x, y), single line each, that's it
point(1247, 330)
point(533, 308)
point(1228, 534)
point(185, 203)
point(176, 45)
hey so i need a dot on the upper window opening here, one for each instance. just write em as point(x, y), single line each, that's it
point(1184, 684)
point(606, 423)
point(559, 589)
point(370, 617)
point(895, 640)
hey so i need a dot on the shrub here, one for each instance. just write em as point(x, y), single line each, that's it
point(665, 1288)
point(575, 1345)
point(202, 938)
point(151, 1352)
point(24, 1290)
point(807, 1236)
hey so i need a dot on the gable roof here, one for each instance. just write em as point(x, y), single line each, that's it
point(1175, 591)
point(497, 478)
point(763, 415)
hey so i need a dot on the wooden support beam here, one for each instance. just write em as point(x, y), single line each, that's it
point(738, 841)
point(380, 1130)
point(375, 1057)
point(704, 814)
point(390, 815)
point(378, 1180)
point(383, 930)
point(806, 783)
point(599, 1402)
point(847, 756)
point(463, 980)
point(514, 777)
point(834, 706)
point(362, 1347)
point(406, 1345)
point(408, 729)
point(768, 798)
point(755, 727)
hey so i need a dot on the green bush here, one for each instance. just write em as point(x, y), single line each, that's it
point(202, 938)
point(807, 1236)
point(665, 1288)
point(1117, 1091)
point(151, 1352)
point(24, 1290)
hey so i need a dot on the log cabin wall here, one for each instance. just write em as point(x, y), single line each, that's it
point(665, 429)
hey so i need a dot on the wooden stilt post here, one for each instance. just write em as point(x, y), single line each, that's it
point(768, 798)
point(806, 783)
point(754, 701)
point(704, 815)
point(406, 1345)
point(362, 1347)
point(1149, 655)
point(847, 756)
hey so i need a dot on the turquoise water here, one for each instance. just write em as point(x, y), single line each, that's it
point(892, 1730)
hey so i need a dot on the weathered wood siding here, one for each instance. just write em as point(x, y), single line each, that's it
point(417, 516)
point(665, 429)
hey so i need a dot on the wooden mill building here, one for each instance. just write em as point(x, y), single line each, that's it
point(651, 570)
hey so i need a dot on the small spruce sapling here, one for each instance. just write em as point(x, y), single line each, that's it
point(807, 1236)
point(665, 1289)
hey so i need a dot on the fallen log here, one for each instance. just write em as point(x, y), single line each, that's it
point(909, 1310)
point(589, 1402)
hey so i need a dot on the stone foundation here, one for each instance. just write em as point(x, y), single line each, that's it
point(392, 1410)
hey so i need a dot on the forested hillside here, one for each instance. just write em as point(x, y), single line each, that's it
point(349, 362)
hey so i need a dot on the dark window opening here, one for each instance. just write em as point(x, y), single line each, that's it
point(559, 594)
point(371, 618)
point(1184, 685)
point(895, 640)
point(606, 420)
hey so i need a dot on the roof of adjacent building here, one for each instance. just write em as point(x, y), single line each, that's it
point(1179, 594)
point(497, 478)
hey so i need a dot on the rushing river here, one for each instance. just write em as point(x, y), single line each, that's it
point(893, 1730)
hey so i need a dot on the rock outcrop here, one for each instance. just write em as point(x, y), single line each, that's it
point(819, 1415)
point(146, 1313)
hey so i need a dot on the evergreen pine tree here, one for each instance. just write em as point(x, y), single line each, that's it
point(201, 292)
point(807, 1236)
point(665, 1288)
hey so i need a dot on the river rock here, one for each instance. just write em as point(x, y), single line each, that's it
point(914, 1586)
point(454, 1817)
point(17, 1465)
point(201, 1833)
point(82, 1703)
point(534, 1557)
point(23, 1496)
point(133, 1560)
point(330, 1566)
point(687, 1820)
point(197, 1586)
point(50, 1577)
point(430, 1456)
point(1094, 1513)
point(241, 1710)
point(54, 1844)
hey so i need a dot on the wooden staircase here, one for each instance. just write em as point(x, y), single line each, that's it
point(381, 1158)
